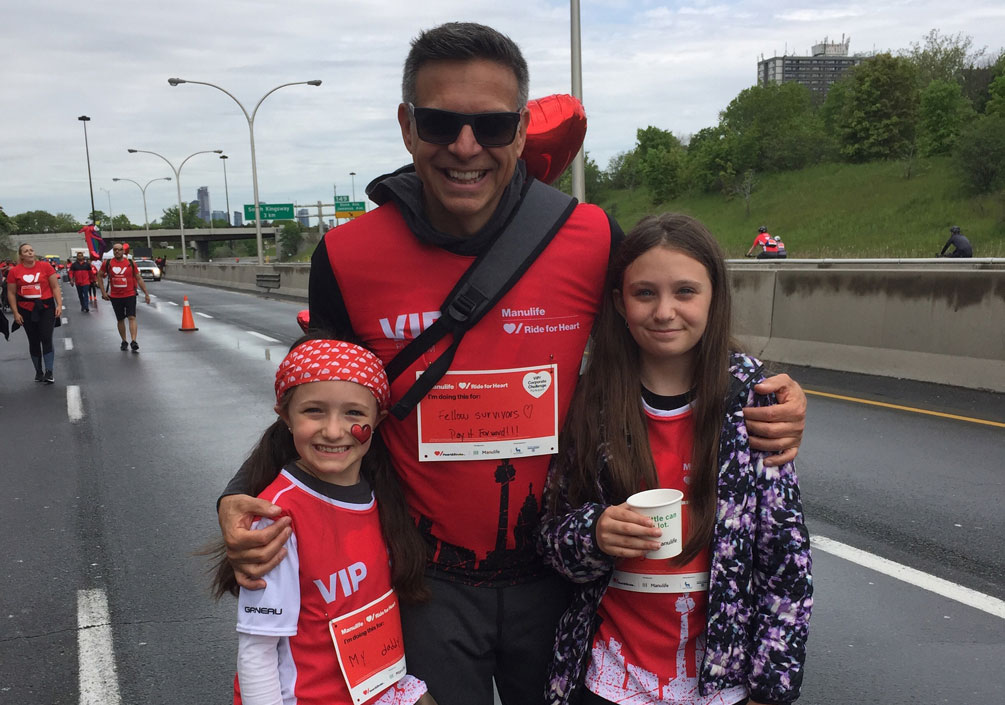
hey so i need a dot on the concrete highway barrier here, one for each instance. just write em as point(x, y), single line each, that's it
point(934, 320)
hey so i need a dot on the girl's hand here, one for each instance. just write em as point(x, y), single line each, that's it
point(624, 533)
point(778, 427)
point(18, 318)
point(59, 310)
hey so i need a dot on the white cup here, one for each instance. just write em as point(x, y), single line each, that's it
point(663, 506)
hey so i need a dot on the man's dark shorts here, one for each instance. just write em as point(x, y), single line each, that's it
point(124, 307)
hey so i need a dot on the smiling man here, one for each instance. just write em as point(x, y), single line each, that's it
point(381, 280)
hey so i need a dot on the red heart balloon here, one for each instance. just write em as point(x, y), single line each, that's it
point(554, 135)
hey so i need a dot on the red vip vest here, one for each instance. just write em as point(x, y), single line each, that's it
point(343, 565)
point(121, 277)
point(481, 515)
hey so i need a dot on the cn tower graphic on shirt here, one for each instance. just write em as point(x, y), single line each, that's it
point(500, 557)
point(610, 677)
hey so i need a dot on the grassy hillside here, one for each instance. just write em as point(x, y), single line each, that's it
point(842, 210)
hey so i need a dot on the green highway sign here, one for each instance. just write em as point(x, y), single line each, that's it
point(270, 211)
point(341, 199)
point(350, 206)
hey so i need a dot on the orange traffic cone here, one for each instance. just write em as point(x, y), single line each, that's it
point(187, 323)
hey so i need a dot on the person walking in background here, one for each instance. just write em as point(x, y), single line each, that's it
point(80, 275)
point(960, 244)
point(94, 280)
point(37, 301)
point(123, 278)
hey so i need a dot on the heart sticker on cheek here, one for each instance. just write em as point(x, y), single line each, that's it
point(361, 433)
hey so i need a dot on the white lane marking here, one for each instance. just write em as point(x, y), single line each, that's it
point(204, 315)
point(68, 343)
point(65, 320)
point(74, 403)
point(172, 303)
point(99, 683)
point(263, 336)
point(945, 588)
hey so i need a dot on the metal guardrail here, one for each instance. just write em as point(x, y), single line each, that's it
point(268, 281)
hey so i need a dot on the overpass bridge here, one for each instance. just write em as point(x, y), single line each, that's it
point(59, 244)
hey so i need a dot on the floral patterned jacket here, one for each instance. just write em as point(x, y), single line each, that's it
point(760, 591)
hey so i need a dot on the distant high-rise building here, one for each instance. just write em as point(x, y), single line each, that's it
point(238, 219)
point(220, 215)
point(203, 195)
point(331, 223)
point(302, 217)
point(828, 64)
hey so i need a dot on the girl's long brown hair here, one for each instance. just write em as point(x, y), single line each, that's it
point(405, 546)
point(607, 421)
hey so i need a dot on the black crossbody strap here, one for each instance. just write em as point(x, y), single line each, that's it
point(541, 214)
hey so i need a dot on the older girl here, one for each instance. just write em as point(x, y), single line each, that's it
point(660, 406)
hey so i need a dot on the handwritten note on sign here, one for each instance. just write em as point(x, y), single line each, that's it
point(485, 414)
point(369, 646)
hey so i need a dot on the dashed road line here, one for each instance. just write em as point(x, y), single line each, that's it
point(912, 409)
point(74, 403)
point(204, 315)
point(64, 320)
point(262, 336)
point(172, 303)
point(98, 680)
point(68, 343)
point(912, 576)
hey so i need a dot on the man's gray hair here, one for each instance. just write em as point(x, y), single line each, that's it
point(463, 41)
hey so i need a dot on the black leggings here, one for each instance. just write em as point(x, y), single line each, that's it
point(39, 332)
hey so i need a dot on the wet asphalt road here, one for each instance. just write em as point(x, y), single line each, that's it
point(121, 499)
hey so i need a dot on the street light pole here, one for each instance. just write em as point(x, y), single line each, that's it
point(143, 190)
point(352, 175)
point(87, 150)
point(226, 189)
point(177, 182)
point(579, 163)
point(111, 216)
point(251, 130)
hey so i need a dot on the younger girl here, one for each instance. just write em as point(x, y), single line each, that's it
point(660, 406)
point(37, 301)
point(326, 627)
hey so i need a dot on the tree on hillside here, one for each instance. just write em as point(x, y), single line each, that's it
point(708, 159)
point(192, 219)
point(7, 230)
point(40, 221)
point(623, 171)
point(980, 154)
point(121, 222)
point(661, 161)
point(943, 113)
point(880, 109)
point(772, 128)
point(996, 101)
point(942, 57)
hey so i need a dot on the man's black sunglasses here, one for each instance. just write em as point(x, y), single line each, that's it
point(443, 126)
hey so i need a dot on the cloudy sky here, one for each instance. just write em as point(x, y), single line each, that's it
point(674, 65)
